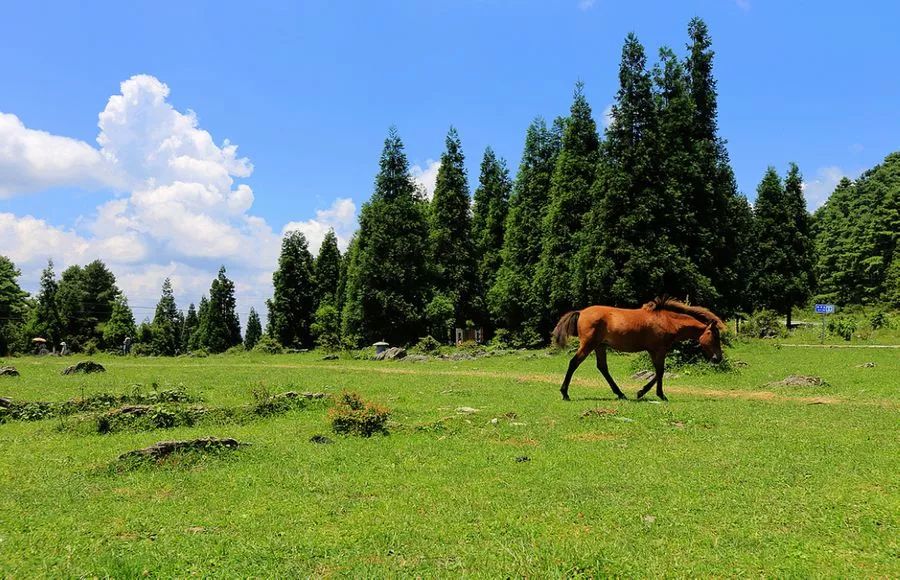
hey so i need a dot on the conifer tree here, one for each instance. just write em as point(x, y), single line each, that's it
point(784, 275)
point(292, 305)
point(254, 330)
point(491, 206)
point(510, 299)
point(328, 270)
point(12, 304)
point(191, 322)
point(44, 320)
point(388, 274)
point(166, 330)
point(452, 250)
point(220, 328)
point(570, 201)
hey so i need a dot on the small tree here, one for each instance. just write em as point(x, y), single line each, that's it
point(440, 315)
point(166, 330)
point(120, 324)
point(291, 306)
point(326, 327)
point(12, 304)
point(254, 330)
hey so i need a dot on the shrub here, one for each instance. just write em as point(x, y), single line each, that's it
point(90, 347)
point(353, 416)
point(763, 324)
point(236, 349)
point(141, 349)
point(268, 345)
point(842, 326)
point(428, 344)
point(879, 320)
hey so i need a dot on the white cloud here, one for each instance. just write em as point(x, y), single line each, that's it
point(182, 213)
point(585, 5)
point(608, 116)
point(426, 178)
point(341, 216)
point(35, 160)
point(743, 5)
point(816, 192)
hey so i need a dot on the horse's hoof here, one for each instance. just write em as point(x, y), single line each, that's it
point(622, 397)
point(638, 395)
point(663, 398)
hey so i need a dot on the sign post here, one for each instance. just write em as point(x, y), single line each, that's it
point(824, 309)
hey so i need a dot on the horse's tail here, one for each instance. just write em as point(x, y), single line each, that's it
point(566, 327)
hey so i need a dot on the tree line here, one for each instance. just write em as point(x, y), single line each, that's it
point(648, 207)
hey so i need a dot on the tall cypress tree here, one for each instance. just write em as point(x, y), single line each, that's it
point(388, 274)
point(254, 330)
point(220, 328)
point(328, 270)
point(570, 201)
point(191, 323)
point(784, 269)
point(510, 299)
point(629, 255)
point(491, 206)
point(293, 303)
point(166, 330)
point(452, 251)
point(44, 320)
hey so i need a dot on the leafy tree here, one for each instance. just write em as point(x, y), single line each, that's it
point(12, 304)
point(219, 326)
point(453, 254)
point(510, 299)
point(573, 176)
point(440, 317)
point(326, 326)
point(74, 313)
point(388, 274)
point(328, 270)
point(166, 327)
point(292, 306)
point(254, 330)
point(785, 262)
point(491, 206)
point(120, 324)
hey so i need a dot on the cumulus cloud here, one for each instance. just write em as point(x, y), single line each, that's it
point(175, 207)
point(33, 160)
point(816, 191)
point(607, 116)
point(743, 5)
point(585, 5)
point(426, 177)
point(341, 217)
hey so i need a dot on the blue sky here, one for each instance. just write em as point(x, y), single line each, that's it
point(307, 91)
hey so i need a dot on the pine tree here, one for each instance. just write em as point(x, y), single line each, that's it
point(510, 298)
point(220, 328)
point(328, 270)
point(74, 312)
point(784, 277)
point(12, 304)
point(191, 322)
point(197, 337)
point(166, 330)
point(44, 320)
point(452, 251)
point(254, 330)
point(292, 305)
point(120, 324)
point(570, 201)
point(388, 274)
point(491, 206)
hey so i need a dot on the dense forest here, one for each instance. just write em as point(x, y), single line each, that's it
point(648, 207)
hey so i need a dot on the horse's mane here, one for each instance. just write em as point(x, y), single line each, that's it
point(702, 314)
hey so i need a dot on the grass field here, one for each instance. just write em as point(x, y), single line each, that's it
point(733, 477)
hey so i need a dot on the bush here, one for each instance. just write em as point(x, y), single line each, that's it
point(428, 344)
point(842, 326)
point(90, 347)
point(353, 416)
point(141, 349)
point(879, 319)
point(763, 324)
point(268, 345)
point(236, 349)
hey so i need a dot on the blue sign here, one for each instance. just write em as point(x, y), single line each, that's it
point(824, 308)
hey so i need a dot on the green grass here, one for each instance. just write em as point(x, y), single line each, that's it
point(733, 477)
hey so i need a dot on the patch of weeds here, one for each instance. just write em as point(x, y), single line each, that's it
point(353, 416)
point(599, 412)
point(38, 410)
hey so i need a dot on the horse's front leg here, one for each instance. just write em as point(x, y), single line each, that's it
point(659, 365)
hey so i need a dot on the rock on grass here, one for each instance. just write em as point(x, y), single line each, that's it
point(8, 372)
point(800, 381)
point(85, 367)
point(164, 448)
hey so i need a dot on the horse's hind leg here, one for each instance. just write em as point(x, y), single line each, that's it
point(579, 357)
point(604, 370)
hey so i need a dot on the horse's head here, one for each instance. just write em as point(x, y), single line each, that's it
point(711, 342)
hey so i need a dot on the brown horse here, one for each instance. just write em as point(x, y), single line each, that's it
point(655, 327)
